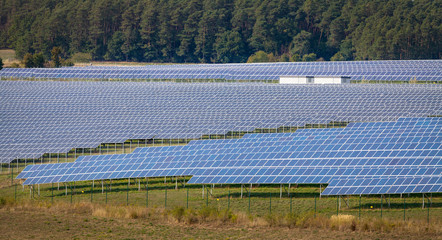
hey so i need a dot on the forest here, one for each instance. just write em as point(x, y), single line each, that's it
point(223, 31)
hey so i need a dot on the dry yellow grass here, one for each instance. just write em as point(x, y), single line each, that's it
point(225, 219)
point(343, 222)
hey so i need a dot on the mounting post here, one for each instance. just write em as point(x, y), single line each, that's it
point(165, 197)
point(127, 192)
point(147, 192)
point(428, 212)
point(270, 203)
point(381, 203)
point(228, 200)
point(92, 191)
point(249, 199)
point(291, 208)
point(337, 205)
point(106, 192)
point(404, 208)
point(315, 207)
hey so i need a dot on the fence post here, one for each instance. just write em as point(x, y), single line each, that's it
point(270, 203)
point(337, 205)
point(249, 198)
point(165, 198)
point(359, 206)
point(92, 191)
point(428, 212)
point(315, 207)
point(228, 201)
point(187, 198)
point(404, 208)
point(127, 192)
point(52, 196)
point(291, 204)
point(207, 197)
point(147, 193)
point(381, 204)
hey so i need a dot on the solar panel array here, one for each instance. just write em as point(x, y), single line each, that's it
point(421, 70)
point(363, 158)
point(40, 117)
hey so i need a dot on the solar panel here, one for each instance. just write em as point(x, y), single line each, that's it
point(421, 70)
point(42, 117)
point(363, 158)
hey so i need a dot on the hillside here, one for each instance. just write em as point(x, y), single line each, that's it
point(224, 31)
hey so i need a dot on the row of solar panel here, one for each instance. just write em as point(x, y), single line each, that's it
point(74, 112)
point(272, 169)
point(370, 70)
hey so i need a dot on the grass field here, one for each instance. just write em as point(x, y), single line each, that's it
point(119, 211)
point(8, 57)
point(185, 208)
point(80, 223)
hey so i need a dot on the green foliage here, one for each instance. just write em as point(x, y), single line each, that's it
point(28, 60)
point(67, 63)
point(178, 213)
point(36, 60)
point(259, 56)
point(56, 57)
point(2, 199)
point(284, 58)
point(295, 58)
point(80, 57)
point(337, 57)
point(301, 43)
point(114, 51)
point(15, 65)
point(39, 60)
point(309, 57)
point(223, 31)
point(230, 47)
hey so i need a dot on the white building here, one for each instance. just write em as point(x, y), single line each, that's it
point(313, 80)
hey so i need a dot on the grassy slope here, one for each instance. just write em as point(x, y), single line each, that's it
point(8, 56)
point(57, 222)
point(97, 220)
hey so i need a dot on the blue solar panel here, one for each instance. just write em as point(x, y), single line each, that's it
point(422, 70)
point(55, 117)
point(406, 149)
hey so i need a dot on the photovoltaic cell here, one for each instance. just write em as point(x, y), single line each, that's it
point(55, 117)
point(364, 158)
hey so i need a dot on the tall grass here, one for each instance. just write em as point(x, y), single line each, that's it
point(220, 218)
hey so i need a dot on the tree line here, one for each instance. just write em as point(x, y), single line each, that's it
point(223, 31)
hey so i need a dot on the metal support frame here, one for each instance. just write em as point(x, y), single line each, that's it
point(127, 192)
point(270, 202)
point(165, 197)
point(315, 207)
point(228, 200)
point(382, 196)
point(347, 202)
point(430, 202)
point(337, 205)
point(291, 206)
point(249, 196)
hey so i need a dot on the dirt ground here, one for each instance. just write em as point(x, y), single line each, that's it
point(42, 224)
